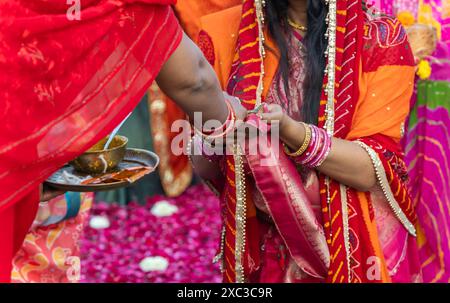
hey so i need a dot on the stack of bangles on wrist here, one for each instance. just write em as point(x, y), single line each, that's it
point(315, 148)
point(204, 139)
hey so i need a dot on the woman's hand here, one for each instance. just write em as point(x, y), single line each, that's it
point(274, 114)
point(48, 193)
point(347, 162)
point(241, 111)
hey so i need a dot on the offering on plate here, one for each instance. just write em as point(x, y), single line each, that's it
point(129, 175)
point(423, 40)
point(98, 160)
point(103, 163)
point(99, 169)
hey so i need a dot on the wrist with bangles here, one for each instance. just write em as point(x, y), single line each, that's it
point(226, 128)
point(204, 141)
point(315, 147)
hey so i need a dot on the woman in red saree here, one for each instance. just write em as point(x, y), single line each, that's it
point(66, 82)
point(349, 218)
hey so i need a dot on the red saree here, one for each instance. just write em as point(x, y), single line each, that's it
point(64, 85)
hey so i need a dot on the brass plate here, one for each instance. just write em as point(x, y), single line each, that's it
point(133, 158)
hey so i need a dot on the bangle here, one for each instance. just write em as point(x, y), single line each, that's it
point(229, 123)
point(317, 150)
point(226, 127)
point(324, 150)
point(328, 149)
point(312, 148)
point(305, 144)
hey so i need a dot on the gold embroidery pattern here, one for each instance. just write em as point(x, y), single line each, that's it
point(346, 228)
point(389, 195)
point(241, 213)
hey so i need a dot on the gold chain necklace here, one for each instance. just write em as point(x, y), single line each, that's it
point(297, 26)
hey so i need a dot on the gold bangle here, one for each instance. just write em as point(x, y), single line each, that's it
point(304, 147)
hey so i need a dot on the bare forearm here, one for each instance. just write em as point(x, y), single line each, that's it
point(347, 162)
point(190, 81)
point(205, 169)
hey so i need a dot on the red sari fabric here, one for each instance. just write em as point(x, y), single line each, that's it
point(66, 84)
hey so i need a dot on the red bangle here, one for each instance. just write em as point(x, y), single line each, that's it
point(230, 123)
point(226, 127)
point(221, 128)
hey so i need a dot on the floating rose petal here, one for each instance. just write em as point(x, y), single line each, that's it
point(188, 240)
point(99, 222)
point(154, 264)
point(164, 209)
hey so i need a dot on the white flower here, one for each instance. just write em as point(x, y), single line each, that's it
point(154, 264)
point(163, 209)
point(99, 222)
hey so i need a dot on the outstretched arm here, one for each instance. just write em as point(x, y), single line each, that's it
point(189, 80)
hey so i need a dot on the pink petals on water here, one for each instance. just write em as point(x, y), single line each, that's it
point(167, 240)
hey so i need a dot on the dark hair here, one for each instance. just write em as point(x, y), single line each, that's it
point(315, 44)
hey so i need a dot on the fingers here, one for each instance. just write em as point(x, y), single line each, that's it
point(48, 193)
point(274, 108)
point(270, 117)
point(241, 111)
point(47, 196)
point(273, 114)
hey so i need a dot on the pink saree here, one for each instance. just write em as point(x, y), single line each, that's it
point(427, 140)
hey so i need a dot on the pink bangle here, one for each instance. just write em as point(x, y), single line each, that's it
point(324, 150)
point(318, 149)
point(325, 156)
point(315, 143)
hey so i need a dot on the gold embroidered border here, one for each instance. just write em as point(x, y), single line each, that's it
point(331, 66)
point(259, 5)
point(241, 213)
point(220, 256)
point(389, 195)
point(345, 224)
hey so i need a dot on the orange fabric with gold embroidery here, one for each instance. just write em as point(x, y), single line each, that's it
point(382, 107)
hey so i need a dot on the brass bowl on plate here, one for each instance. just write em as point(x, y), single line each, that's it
point(98, 161)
